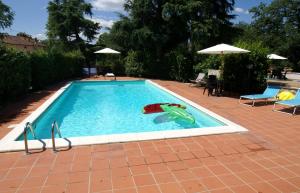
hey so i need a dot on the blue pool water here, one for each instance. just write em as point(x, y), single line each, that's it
point(114, 107)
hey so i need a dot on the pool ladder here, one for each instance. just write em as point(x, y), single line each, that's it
point(53, 128)
point(29, 126)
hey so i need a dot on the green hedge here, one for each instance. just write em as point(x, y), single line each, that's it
point(19, 71)
point(52, 67)
point(15, 74)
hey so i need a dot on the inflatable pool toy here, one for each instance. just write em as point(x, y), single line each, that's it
point(155, 108)
point(177, 112)
point(285, 95)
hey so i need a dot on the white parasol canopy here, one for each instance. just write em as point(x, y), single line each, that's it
point(222, 49)
point(107, 51)
point(275, 57)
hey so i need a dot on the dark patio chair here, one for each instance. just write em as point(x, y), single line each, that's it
point(211, 84)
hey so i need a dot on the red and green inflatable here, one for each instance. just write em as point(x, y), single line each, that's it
point(156, 108)
point(178, 113)
point(174, 110)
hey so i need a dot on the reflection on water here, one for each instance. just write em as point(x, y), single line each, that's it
point(166, 117)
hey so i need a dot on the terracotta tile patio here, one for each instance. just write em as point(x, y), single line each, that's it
point(266, 159)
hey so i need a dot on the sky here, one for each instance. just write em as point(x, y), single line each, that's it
point(31, 15)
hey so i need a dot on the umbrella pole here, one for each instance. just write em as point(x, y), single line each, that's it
point(96, 66)
point(220, 82)
point(103, 63)
point(222, 66)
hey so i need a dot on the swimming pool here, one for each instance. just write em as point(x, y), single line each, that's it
point(102, 108)
point(90, 112)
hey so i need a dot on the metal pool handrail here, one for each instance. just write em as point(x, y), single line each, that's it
point(54, 126)
point(28, 125)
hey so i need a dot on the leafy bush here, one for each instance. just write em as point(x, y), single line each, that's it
point(180, 64)
point(132, 66)
point(15, 74)
point(246, 72)
point(211, 62)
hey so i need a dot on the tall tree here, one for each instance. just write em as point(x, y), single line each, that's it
point(204, 22)
point(6, 16)
point(159, 29)
point(67, 22)
point(278, 25)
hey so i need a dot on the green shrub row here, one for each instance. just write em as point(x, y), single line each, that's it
point(48, 68)
point(15, 74)
point(21, 71)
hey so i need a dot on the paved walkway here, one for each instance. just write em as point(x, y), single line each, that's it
point(265, 160)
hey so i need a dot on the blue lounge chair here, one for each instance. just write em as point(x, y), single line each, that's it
point(269, 93)
point(291, 103)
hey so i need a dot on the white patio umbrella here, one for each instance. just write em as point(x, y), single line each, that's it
point(275, 57)
point(222, 49)
point(107, 51)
